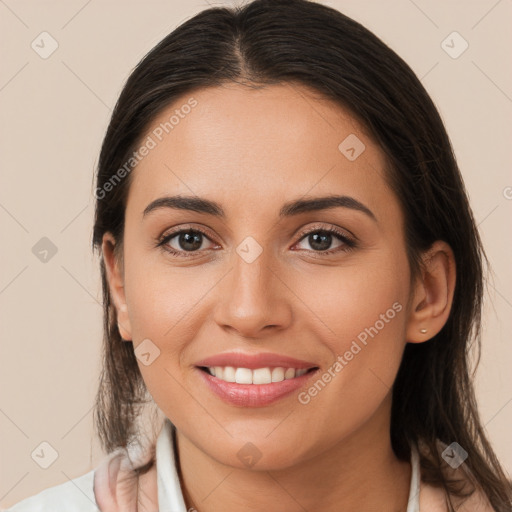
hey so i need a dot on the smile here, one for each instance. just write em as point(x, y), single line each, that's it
point(256, 376)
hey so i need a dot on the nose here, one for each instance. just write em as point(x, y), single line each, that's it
point(253, 300)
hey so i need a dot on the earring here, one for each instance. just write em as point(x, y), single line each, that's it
point(423, 331)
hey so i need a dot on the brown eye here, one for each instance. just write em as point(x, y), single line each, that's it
point(321, 240)
point(184, 241)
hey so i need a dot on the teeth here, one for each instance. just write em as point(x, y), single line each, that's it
point(243, 376)
point(261, 376)
point(257, 376)
point(277, 374)
point(289, 373)
point(229, 374)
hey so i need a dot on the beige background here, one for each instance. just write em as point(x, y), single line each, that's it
point(54, 113)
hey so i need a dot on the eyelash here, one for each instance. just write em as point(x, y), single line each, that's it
point(349, 243)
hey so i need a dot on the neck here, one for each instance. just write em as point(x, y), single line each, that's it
point(360, 472)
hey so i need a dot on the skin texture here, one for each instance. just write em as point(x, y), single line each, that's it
point(252, 150)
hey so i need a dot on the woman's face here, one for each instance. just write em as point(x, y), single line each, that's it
point(261, 281)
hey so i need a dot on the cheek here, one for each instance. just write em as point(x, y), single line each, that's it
point(160, 306)
point(161, 298)
point(363, 305)
point(357, 297)
point(166, 310)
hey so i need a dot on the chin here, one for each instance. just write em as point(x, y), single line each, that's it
point(260, 454)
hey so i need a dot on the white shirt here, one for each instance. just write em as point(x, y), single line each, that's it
point(77, 495)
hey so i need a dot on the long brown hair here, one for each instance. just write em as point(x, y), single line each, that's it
point(298, 41)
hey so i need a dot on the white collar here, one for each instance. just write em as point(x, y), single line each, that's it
point(414, 488)
point(170, 496)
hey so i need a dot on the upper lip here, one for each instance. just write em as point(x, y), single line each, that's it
point(253, 361)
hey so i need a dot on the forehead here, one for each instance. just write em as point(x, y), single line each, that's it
point(239, 145)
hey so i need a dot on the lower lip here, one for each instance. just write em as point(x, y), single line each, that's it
point(253, 395)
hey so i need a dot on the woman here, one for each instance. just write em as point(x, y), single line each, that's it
point(292, 273)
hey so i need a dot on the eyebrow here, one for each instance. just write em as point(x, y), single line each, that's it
point(200, 205)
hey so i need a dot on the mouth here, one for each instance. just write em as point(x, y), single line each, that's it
point(254, 380)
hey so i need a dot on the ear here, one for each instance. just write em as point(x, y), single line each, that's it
point(432, 294)
point(115, 278)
